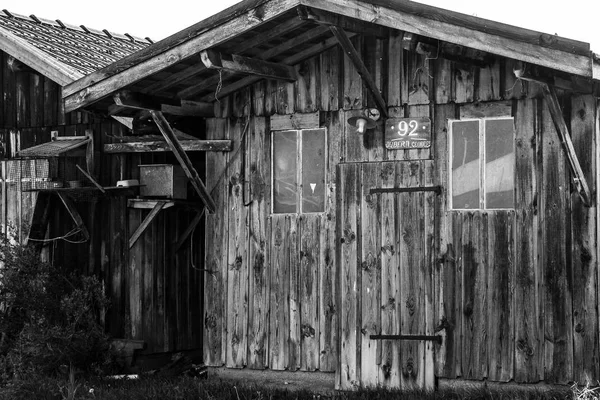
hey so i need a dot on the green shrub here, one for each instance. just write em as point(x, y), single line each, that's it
point(48, 317)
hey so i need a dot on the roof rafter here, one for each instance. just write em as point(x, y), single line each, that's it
point(245, 65)
point(100, 84)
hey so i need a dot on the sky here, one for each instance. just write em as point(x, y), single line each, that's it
point(158, 20)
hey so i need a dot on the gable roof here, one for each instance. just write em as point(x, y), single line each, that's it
point(290, 31)
point(60, 51)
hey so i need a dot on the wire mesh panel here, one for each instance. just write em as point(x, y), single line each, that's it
point(47, 173)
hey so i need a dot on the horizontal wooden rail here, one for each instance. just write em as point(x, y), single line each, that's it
point(433, 338)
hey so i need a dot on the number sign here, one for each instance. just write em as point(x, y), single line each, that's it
point(408, 133)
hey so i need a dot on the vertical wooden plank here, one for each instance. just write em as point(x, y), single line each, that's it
point(147, 243)
point(295, 307)
point(430, 256)
point(310, 232)
point(159, 267)
point(134, 272)
point(444, 81)
point(237, 259)
point(36, 96)
point(501, 306)
point(285, 97)
point(331, 79)
point(371, 274)
point(558, 307)
point(258, 98)
point(216, 251)
point(488, 85)
point(464, 83)
point(279, 317)
point(353, 142)
point(328, 278)
point(9, 94)
point(395, 69)
point(474, 299)
point(271, 102)
point(446, 270)
point(349, 184)
point(529, 351)
point(306, 86)
point(389, 366)
point(584, 240)
point(418, 76)
point(511, 87)
point(410, 232)
point(259, 177)
point(417, 111)
point(353, 86)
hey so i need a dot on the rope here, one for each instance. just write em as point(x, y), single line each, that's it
point(72, 232)
point(219, 86)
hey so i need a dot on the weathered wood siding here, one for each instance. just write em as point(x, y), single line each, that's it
point(156, 295)
point(514, 293)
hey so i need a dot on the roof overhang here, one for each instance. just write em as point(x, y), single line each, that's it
point(142, 69)
point(37, 59)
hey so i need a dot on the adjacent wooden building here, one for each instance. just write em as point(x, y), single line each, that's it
point(81, 228)
point(454, 237)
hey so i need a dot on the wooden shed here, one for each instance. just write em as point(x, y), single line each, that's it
point(82, 228)
point(410, 193)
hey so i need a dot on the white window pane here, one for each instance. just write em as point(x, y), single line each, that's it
point(499, 164)
point(465, 165)
point(313, 170)
point(285, 172)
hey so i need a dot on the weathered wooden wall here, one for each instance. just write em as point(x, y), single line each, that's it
point(155, 295)
point(515, 293)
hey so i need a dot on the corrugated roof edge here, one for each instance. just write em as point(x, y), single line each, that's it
point(63, 25)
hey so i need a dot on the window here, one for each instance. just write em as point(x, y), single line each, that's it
point(482, 164)
point(299, 158)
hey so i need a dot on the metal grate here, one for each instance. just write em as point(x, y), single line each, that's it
point(46, 173)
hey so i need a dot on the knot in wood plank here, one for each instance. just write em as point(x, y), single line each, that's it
point(308, 331)
point(411, 304)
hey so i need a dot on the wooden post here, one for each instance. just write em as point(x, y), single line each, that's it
point(186, 164)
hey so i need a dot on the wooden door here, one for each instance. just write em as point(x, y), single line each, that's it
point(386, 241)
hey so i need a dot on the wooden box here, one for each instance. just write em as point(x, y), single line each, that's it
point(163, 180)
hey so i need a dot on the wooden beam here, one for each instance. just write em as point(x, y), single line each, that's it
point(413, 18)
point(348, 24)
point(575, 84)
point(146, 222)
point(140, 101)
point(190, 109)
point(183, 159)
point(161, 146)
point(70, 206)
point(249, 66)
point(291, 60)
point(170, 51)
point(351, 52)
point(145, 204)
point(266, 55)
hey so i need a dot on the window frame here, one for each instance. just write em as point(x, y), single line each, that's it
point(299, 171)
point(482, 164)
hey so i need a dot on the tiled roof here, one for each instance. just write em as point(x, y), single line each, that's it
point(78, 47)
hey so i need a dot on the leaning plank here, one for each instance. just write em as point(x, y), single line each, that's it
point(147, 221)
point(70, 206)
point(39, 220)
point(183, 159)
point(348, 47)
point(159, 146)
point(188, 231)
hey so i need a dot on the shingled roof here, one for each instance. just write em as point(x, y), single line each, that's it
point(74, 51)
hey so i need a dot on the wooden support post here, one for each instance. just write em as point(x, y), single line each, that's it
point(349, 49)
point(186, 164)
point(70, 206)
point(563, 133)
point(189, 230)
point(146, 222)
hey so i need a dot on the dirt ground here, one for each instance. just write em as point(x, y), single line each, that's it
point(320, 382)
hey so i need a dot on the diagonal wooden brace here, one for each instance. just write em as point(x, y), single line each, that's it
point(186, 164)
point(349, 49)
point(563, 133)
